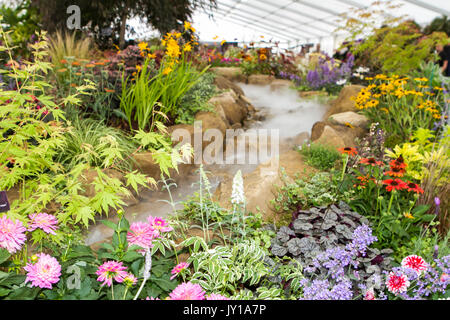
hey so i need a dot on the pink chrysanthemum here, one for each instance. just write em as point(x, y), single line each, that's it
point(188, 291)
point(47, 222)
point(397, 283)
point(141, 234)
point(178, 268)
point(45, 272)
point(159, 224)
point(12, 234)
point(130, 280)
point(417, 263)
point(111, 270)
point(214, 296)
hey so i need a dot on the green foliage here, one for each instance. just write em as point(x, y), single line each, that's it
point(320, 189)
point(196, 98)
point(30, 147)
point(225, 269)
point(320, 156)
point(139, 98)
point(22, 21)
point(91, 141)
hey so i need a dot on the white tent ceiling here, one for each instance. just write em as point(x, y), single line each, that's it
point(297, 21)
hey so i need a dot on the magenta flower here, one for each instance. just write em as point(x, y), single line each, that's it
point(187, 291)
point(141, 234)
point(179, 268)
point(397, 283)
point(12, 234)
point(45, 272)
point(215, 296)
point(417, 263)
point(159, 224)
point(47, 222)
point(111, 270)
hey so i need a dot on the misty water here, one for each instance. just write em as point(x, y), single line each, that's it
point(282, 110)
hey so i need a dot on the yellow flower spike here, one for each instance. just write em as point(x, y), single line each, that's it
point(222, 42)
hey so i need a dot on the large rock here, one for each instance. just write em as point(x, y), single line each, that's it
point(227, 103)
point(335, 135)
point(231, 73)
point(349, 117)
point(224, 84)
point(331, 138)
point(260, 186)
point(344, 102)
point(261, 79)
point(280, 84)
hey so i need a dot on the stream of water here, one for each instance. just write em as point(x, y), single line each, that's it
point(282, 110)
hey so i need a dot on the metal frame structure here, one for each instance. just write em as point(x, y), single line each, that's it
point(284, 21)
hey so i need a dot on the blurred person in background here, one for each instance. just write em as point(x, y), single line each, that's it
point(444, 58)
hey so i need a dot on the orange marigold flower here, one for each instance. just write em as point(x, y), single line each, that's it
point(90, 65)
point(62, 70)
point(64, 61)
point(348, 150)
point(75, 63)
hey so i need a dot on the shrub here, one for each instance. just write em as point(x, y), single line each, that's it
point(67, 45)
point(320, 156)
point(195, 99)
point(90, 141)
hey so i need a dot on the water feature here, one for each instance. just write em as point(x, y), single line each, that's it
point(282, 109)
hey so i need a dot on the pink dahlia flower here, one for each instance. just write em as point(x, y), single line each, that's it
point(214, 296)
point(45, 272)
point(397, 283)
point(417, 263)
point(187, 291)
point(178, 268)
point(159, 224)
point(111, 270)
point(12, 234)
point(47, 222)
point(141, 234)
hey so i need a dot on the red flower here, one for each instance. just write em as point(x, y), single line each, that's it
point(417, 263)
point(414, 187)
point(370, 161)
point(396, 172)
point(348, 150)
point(398, 163)
point(397, 283)
point(394, 184)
